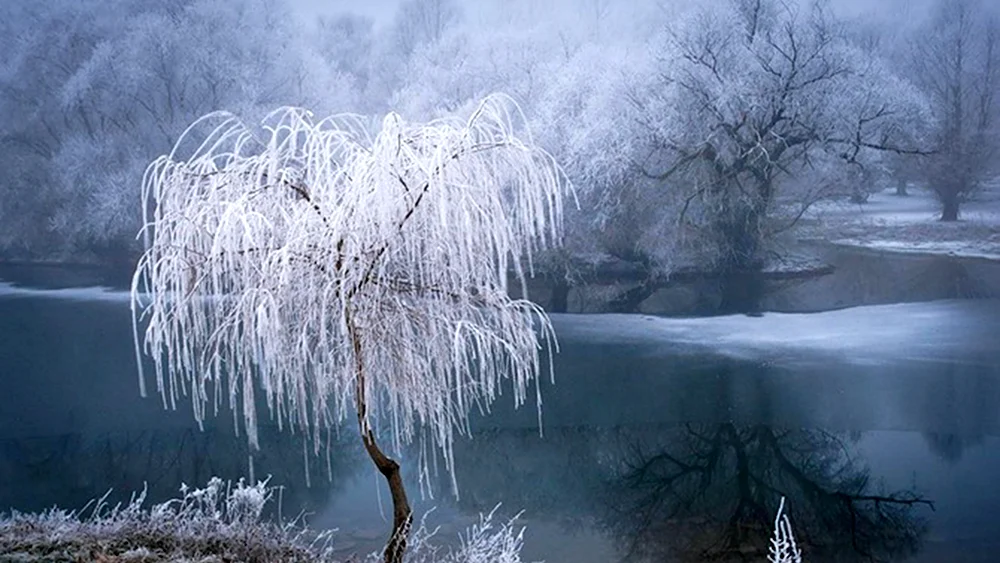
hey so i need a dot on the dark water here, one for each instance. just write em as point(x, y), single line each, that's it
point(664, 439)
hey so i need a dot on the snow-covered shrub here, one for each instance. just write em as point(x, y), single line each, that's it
point(221, 522)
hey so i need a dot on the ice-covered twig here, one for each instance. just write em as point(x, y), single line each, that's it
point(783, 548)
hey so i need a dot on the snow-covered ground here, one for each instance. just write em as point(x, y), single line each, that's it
point(910, 224)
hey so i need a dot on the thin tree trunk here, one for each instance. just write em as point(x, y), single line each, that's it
point(949, 210)
point(629, 301)
point(402, 515)
point(741, 293)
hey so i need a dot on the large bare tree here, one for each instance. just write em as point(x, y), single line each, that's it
point(344, 274)
point(751, 92)
point(957, 61)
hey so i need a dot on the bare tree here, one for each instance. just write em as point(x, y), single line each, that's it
point(347, 274)
point(957, 61)
point(753, 91)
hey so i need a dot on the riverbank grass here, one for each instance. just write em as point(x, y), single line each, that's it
point(222, 522)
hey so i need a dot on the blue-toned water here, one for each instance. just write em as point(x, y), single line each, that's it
point(664, 439)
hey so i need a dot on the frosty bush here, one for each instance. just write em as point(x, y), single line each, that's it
point(220, 522)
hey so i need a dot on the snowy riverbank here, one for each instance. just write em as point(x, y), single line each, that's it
point(910, 224)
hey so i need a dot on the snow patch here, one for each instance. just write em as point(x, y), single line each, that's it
point(888, 209)
point(962, 249)
point(859, 335)
point(910, 225)
point(96, 293)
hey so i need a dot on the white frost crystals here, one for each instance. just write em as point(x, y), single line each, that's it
point(292, 255)
point(783, 548)
point(223, 522)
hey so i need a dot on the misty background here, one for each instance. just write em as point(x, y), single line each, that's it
point(711, 145)
point(699, 136)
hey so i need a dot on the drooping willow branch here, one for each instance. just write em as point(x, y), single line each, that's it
point(414, 229)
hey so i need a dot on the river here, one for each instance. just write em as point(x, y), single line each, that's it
point(664, 439)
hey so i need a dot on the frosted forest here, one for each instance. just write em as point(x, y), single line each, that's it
point(714, 128)
point(420, 280)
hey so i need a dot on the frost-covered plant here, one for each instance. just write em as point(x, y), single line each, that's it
point(349, 273)
point(222, 520)
point(783, 548)
point(487, 541)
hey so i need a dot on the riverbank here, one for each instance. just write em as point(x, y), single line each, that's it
point(220, 523)
point(909, 224)
point(821, 277)
point(890, 249)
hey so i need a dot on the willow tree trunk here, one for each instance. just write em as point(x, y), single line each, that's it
point(402, 515)
point(741, 293)
point(559, 302)
point(742, 232)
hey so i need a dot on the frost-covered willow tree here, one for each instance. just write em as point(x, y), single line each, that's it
point(341, 273)
point(556, 57)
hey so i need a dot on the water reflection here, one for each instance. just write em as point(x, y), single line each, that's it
point(695, 492)
point(950, 447)
point(654, 433)
point(709, 492)
point(70, 469)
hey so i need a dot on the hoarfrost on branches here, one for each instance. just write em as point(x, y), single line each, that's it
point(343, 271)
point(223, 521)
point(783, 548)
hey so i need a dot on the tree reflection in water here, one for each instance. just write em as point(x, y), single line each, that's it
point(709, 493)
point(951, 447)
point(701, 492)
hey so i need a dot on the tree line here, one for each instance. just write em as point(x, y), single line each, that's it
point(693, 134)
